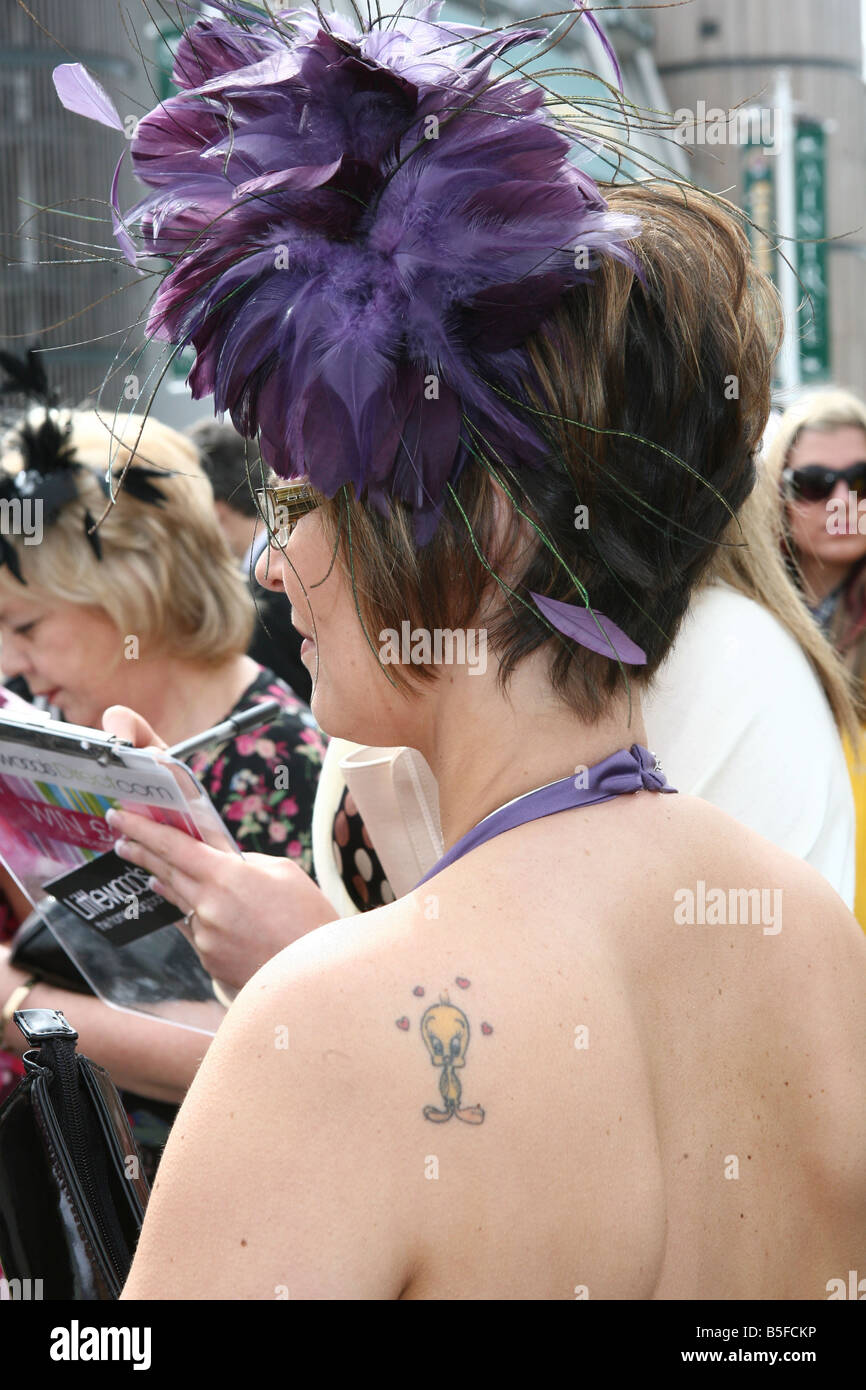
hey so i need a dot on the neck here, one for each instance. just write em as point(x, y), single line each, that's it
point(485, 748)
point(819, 578)
point(179, 698)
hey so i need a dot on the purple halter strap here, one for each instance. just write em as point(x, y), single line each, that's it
point(628, 770)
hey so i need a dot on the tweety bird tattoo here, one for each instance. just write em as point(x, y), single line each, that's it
point(445, 1030)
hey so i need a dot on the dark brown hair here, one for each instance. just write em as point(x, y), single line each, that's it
point(653, 398)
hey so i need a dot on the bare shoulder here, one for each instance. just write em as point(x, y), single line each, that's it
point(278, 1180)
point(710, 837)
point(782, 933)
point(431, 1064)
point(495, 1062)
point(756, 942)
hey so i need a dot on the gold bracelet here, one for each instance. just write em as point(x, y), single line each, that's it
point(14, 1002)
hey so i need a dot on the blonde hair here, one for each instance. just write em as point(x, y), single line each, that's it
point(166, 573)
point(825, 410)
point(751, 560)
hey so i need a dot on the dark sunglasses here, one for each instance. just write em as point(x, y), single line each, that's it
point(814, 484)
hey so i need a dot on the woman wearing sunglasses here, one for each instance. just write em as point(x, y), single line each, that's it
point(818, 456)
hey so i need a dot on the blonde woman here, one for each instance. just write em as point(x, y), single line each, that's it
point(152, 614)
point(817, 463)
point(818, 459)
point(750, 705)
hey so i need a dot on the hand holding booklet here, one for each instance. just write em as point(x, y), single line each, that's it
point(57, 782)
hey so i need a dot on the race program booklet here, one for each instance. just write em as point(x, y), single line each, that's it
point(57, 781)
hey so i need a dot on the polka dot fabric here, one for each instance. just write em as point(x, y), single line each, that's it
point(357, 862)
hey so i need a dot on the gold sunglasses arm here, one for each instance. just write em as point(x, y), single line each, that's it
point(282, 506)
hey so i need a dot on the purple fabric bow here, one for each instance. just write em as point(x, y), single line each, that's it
point(628, 770)
point(646, 773)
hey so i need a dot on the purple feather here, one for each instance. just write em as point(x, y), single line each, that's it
point(504, 316)
point(121, 235)
point(216, 46)
point(81, 93)
point(605, 41)
point(583, 624)
point(363, 229)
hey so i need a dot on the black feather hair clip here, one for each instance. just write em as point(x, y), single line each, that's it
point(47, 479)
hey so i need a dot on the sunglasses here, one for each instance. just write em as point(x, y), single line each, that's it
point(815, 484)
point(282, 508)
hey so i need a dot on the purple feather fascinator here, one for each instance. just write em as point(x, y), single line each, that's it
point(363, 227)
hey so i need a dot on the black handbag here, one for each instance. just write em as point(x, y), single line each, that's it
point(72, 1189)
point(36, 950)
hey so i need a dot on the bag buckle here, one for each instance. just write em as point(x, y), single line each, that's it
point(38, 1025)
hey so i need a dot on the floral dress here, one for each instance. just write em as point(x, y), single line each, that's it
point(263, 783)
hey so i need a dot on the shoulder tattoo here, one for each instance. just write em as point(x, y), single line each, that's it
point(445, 1031)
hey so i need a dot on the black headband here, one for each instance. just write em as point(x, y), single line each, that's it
point(48, 473)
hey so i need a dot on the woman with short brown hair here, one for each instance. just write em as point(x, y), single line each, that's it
point(528, 1076)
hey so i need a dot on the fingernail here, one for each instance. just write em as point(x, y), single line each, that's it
point(113, 818)
point(121, 847)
